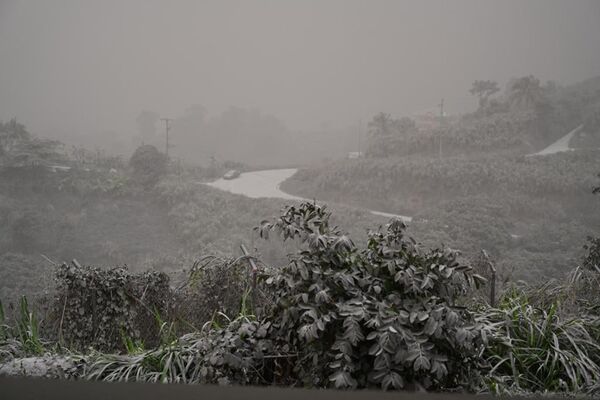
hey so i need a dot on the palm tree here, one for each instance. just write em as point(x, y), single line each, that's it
point(483, 90)
point(525, 92)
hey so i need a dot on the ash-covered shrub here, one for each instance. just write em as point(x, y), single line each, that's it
point(216, 286)
point(99, 307)
point(386, 315)
point(148, 165)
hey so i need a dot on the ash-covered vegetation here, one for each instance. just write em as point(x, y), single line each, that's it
point(475, 182)
point(66, 203)
point(130, 270)
point(387, 313)
point(430, 210)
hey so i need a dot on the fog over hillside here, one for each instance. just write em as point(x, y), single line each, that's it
point(85, 70)
point(320, 194)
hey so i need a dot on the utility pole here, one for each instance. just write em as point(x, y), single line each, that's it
point(167, 129)
point(441, 105)
point(359, 129)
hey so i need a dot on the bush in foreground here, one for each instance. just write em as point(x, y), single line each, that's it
point(386, 315)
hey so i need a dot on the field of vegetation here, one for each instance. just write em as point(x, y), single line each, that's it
point(530, 213)
point(483, 191)
point(106, 212)
point(384, 313)
point(325, 298)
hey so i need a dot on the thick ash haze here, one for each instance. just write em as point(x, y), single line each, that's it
point(87, 67)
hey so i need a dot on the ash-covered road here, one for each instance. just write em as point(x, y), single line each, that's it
point(260, 184)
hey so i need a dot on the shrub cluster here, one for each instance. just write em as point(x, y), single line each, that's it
point(390, 314)
point(104, 306)
point(387, 315)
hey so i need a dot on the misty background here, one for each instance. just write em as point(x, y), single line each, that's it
point(477, 125)
point(268, 80)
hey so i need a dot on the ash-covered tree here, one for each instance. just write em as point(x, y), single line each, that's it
point(11, 133)
point(381, 125)
point(525, 93)
point(388, 135)
point(483, 90)
point(404, 125)
point(147, 165)
point(18, 148)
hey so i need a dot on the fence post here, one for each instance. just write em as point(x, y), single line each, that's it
point(254, 271)
point(493, 278)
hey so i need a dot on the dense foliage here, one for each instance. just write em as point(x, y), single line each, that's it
point(525, 117)
point(19, 149)
point(100, 216)
point(99, 306)
point(494, 133)
point(559, 174)
point(531, 213)
point(390, 314)
point(384, 315)
point(387, 315)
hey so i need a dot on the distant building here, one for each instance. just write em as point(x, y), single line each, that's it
point(430, 119)
point(355, 154)
point(427, 121)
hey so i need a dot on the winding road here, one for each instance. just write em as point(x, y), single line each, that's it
point(265, 183)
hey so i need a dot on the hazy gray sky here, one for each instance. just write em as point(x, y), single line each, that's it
point(87, 66)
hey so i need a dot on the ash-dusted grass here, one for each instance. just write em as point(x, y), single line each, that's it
point(542, 349)
point(197, 357)
point(22, 337)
